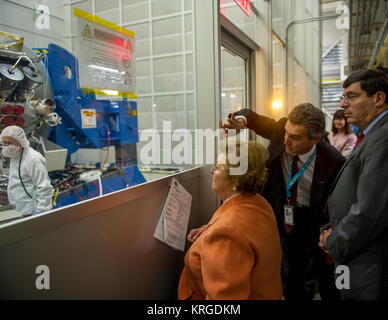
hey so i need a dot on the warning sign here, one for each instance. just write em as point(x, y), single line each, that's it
point(87, 33)
point(88, 117)
point(106, 56)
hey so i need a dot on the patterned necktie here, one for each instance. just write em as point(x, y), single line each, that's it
point(360, 137)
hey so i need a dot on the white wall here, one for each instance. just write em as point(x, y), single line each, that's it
point(19, 17)
point(99, 249)
point(303, 50)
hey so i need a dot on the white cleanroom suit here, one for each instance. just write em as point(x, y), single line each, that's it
point(37, 192)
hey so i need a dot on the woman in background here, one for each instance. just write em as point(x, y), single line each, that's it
point(341, 136)
point(237, 255)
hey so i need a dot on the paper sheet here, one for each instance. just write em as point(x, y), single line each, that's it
point(174, 218)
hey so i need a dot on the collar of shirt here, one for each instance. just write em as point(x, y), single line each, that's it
point(370, 126)
point(304, 157)
point(305, 181)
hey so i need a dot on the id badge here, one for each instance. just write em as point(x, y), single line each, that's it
point(289, 215)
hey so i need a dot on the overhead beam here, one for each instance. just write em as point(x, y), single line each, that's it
point(380, 41)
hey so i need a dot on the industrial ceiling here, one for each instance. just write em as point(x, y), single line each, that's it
point(367, 34)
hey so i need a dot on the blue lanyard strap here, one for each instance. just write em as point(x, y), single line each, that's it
point(292, 180)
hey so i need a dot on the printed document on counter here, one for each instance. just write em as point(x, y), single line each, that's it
point(174, 218)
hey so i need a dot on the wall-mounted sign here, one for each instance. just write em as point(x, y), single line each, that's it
point(245, 5)
point(106, 55)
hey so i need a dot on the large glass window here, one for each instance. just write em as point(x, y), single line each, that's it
point(239, 42)
point(165, 60)
point(167, 54)
point(164, 98)
point(234, 82)
point(246, 20)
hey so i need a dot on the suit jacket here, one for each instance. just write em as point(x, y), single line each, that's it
point(236, 256)
point(358, 205)
point(327, 165)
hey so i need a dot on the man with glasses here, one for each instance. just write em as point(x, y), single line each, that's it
point(358, 201)
point(301, 168)
point(29, 187)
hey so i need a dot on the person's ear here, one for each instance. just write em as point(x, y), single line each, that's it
point(316, 140)
point(380, 98)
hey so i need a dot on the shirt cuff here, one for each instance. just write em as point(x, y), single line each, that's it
point(241, 117)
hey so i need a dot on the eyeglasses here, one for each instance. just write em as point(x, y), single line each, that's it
point(349, 97)
point(214, 168)
point(8, 143)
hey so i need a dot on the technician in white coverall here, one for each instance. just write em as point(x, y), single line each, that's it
point(29, 187)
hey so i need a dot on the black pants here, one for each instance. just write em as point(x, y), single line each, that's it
point(304, 263)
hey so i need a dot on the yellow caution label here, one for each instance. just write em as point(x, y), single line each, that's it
point(40, 50)
point(134, 112)
point(124, 94)
point(87, 33)
point(107, 24)
point(89, 119)
point(89, 113)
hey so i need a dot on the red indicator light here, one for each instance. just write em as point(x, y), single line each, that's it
point(245, 5)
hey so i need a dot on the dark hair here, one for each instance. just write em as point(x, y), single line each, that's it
point(340, 114)
point(310, 117)
point(370, 80)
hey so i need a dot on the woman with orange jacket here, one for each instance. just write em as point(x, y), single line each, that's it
point(237, 255)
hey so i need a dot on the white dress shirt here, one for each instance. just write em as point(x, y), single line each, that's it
point(305, 181)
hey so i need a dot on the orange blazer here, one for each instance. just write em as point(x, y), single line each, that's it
point(236, 256)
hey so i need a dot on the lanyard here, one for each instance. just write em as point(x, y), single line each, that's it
point(292, 180)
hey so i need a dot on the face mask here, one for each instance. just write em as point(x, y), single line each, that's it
point(10, 151)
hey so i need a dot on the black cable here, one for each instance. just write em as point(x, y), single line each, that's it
point(20, 177)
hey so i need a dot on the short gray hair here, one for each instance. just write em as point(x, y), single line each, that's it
point(310, 117)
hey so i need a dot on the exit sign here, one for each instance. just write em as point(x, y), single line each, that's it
point(245, 5)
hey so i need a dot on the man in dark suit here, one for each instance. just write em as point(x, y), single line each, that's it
point(297, 151)
point(358, 202)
